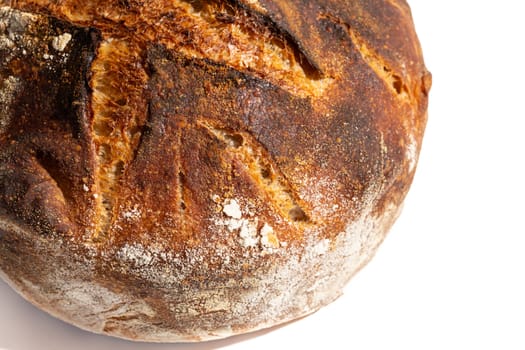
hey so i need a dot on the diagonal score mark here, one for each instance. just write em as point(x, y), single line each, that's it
point(119, 112)
point(393, 80)
point(263, 171)
point(226, 32)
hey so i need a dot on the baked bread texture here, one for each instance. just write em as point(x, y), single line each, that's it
point(187, 170)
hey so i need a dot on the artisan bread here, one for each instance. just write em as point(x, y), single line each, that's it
point(189, 170)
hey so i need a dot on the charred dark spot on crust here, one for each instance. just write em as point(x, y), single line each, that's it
point(182, 184)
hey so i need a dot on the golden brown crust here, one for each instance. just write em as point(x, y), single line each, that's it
point(203, 168)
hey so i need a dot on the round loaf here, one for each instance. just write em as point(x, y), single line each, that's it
point(186, 170)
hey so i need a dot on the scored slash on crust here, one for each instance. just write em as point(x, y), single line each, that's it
point(164, 129)
point(263, 171)
point(242, 37)
point(195, 30)
point(393, 80)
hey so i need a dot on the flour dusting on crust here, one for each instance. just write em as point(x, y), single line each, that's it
point(214, 172)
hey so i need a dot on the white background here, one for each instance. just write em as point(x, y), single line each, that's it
point(451, 274)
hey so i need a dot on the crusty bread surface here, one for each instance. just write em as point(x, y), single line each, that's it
point(190, 170)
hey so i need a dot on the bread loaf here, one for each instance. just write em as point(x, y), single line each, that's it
point(187, 170)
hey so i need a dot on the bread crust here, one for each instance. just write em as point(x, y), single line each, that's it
point(190, 170)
